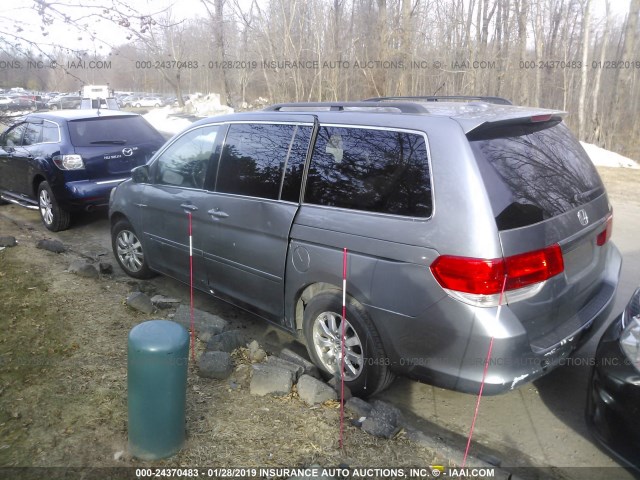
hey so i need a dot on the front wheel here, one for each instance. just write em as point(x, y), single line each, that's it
point(366, 367)
point(128, 251)
point(53, 216)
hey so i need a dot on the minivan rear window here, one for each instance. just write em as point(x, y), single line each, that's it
point(534, 172)
point(120, 130)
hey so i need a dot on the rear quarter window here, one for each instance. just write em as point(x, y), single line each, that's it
point(112, 130)
point(534, 172)
point(382, 171)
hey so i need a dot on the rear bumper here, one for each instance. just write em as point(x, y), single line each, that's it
point(613, 400)
point(86, 194)
point(447, 346)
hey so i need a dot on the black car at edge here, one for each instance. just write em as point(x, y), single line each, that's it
point(613, 401)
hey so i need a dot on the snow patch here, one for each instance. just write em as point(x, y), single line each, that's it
point(605, 158)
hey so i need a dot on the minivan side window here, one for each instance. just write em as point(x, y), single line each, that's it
point(263, 160)
point(382, 171)
point(184, 163)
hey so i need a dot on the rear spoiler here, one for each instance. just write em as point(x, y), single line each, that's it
point(500, 117)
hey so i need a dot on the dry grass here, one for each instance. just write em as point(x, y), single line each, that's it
point(63, 399)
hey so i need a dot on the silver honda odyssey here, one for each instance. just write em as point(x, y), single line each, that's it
point(465, 220)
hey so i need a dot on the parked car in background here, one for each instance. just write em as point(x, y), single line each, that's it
point(68, 161)
point(457, 233)
point(149, 102)
point(613, 401)
point(130, 100)
point(6, 103)
point(67, 102)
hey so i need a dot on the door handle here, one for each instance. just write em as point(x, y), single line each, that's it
point(189, 206)
point(215, 212)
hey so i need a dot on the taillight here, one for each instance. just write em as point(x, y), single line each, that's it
point(68, 162)
point(479, 282)
point(605, 235)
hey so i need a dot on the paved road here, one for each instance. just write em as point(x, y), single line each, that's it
point(539, 424)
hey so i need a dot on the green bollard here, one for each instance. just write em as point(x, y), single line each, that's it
point(158, 354)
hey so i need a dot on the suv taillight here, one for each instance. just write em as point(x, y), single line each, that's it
point(68, 162)
point(605, 235)
point(479, 282)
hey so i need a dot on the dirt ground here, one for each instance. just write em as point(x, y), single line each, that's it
point(63, 393)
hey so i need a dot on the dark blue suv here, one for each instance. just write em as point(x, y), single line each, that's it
point(67, 161)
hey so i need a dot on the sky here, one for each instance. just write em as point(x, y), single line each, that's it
point(20, 14)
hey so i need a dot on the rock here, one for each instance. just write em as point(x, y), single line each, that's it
point(118, 455)
point(83, 269)
point(297, 370)
point(105, 268)
point(226, 341)
point(256, 354)
point(216, 365)
point(358, 407)
point(379, 428)
point(141, 302)
point(204, 322)
point(293, 357)
point(382, 420)
point(52, 246)
point(8, 242)
point(313, 391)
point(160, 301)
point(336, 384)
point(386, 412)
point(270, 380)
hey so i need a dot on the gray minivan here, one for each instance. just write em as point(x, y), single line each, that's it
point(464, 222)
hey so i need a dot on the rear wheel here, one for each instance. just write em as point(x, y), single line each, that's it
point(54, 217)
point(128, 250)
point(366, 369)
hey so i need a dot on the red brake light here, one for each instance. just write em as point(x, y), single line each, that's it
point(486, 277)
point(540, 118)
point(605, 235)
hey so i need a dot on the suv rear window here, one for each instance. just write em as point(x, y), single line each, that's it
point(111, 131)
point(381, 171)
point(534, 172)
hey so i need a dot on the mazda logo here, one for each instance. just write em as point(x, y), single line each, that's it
point(127, 152)
point(583, 218)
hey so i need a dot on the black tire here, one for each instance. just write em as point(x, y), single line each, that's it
point(367, 369)
point(128, 250)
point(54, 217)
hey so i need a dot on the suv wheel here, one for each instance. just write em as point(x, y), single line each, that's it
point(128, 251)
point(53, 216)
point(138, 105)
point(366, 366)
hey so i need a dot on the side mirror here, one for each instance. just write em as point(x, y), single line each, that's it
point(140, 174)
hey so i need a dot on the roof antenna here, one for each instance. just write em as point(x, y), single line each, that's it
point(439, 88)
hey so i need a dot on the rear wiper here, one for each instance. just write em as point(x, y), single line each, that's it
point(109, 142)
point(579, 197)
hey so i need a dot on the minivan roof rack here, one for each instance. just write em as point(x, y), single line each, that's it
point(401, 106)
point(444, 98)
